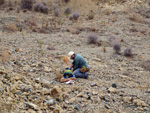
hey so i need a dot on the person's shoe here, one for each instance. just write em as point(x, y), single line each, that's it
point(86, 77)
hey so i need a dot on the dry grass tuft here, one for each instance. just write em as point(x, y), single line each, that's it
point(65, 60)
point(58, 75)
point(31, 21)
point(136, 17)
point(12, 27)
point(107, 11)
point(146, 65)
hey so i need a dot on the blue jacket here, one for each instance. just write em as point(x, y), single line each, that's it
point(79, 61)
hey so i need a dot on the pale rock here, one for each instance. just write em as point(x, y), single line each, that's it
point(46, 83)
point(93, 84)
point(9, 99)
point(80, 94)
point(139, 102)
point(50, 102)
point(47, 69)
point(33, 106)
point(112, 90)
point(72, 100)
point(45, 91)
point(127, 99)
point(31, 111)
point(26, 68)
point(95, 93)
point(18, 77)
point(34, 65)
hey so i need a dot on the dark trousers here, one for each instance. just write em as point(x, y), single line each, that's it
point(79, 74)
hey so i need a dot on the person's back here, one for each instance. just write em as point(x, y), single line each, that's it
point(79, 61)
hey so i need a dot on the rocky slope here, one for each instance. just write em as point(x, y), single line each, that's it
point(32, 45)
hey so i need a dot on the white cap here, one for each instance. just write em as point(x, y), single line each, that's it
point(70, 53)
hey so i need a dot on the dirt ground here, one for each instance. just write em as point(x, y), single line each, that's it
point(32, 45)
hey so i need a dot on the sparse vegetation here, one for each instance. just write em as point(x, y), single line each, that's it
point(56, 12)
point(128, 52)
point(18, 9)
point(33, 46)
point(67, 10)
point(36, 6)
point(136, 17)
point(92, 38)
point(117, 48)
point(75, 15)
point(11, 27)
point(26, 4)
point(5, 56)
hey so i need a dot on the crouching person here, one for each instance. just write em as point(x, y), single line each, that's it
point(68, 75)
point(79, 65)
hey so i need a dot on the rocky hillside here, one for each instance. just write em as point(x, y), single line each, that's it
point(112, 35)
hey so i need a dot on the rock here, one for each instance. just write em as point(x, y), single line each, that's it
point(139, 102)
point(80, 95)
point(1, 90)
point(38, 80)
point(72, 100)
point(93, 84)
point(2, 71)
point(56, 93)
point(58, 109)
point(114, 85)
point(107, 98)
point(47, 69)
point(7, 76)
point(50, 102)
point(9, 99)
point(107, 106)
point(45, 91)
point(45, 83)
point(127, 99)
point(18, 77)
point(112, 90)
point(95, 93)
point(31, 111)
point(31, 105)
point(77, 107)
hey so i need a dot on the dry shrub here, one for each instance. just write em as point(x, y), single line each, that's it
point(128, 52)
point(117, 48)
point(5, 56)
point(12, 27)
point(31, 21)
point(26, 4)
point(107, 11)
point(136, 17)
point(1, 2)
point(65, 60)
point(58, 75)
point(93, 38)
